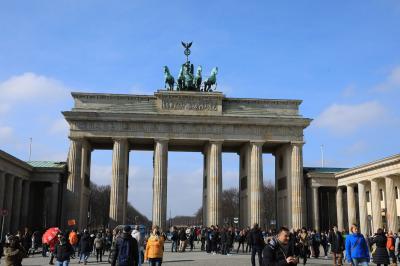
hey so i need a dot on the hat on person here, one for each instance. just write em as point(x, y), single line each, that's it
point(127, 229)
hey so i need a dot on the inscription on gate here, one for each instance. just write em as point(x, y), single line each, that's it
point(189, 103)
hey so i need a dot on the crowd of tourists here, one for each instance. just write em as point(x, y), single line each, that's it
point(128, 246)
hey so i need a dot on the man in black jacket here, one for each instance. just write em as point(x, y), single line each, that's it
point(337, 246)
point(278, 251)
point(63, 250)
point(126, 250)
point(257, 243)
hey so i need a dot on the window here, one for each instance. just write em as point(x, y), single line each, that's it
point(397, 192)
point(367, 195)
point(381, 192)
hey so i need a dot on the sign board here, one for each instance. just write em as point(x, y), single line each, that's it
point(3, 212)
point(236, 220)
point(71, 222)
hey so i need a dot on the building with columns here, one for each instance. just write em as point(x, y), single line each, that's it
point(205, 122)
point(43, 194)
point(367, 195)
point(30, 192)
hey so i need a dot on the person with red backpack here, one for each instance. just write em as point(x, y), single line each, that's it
point(126, 250)
point(390, 245)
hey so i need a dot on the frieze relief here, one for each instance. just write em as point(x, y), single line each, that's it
point(189, 103)
point(182, 128)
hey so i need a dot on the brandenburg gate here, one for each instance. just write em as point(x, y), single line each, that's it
point(195, 119)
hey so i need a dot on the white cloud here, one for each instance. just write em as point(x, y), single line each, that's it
point(392, 82)
point(29, 87)
point(29, 104)
point(345, 119)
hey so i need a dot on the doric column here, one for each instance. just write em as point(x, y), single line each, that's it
point(315, 208)
point(118, 200)
point(8, 204)
point(204, 199)
point(2, 188)
point(339, 209)
point(25, 202)
point(54, 204)
point(351, 205)
point(376, 205)
point(362, 203)
point(16, 207)
point(297, 186)
point(73, 194)
point(160, 183)
point(85, 184)
point(391, 210)
point(256, 184)
point(214, 183)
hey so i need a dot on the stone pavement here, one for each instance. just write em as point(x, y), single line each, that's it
point(195, 258)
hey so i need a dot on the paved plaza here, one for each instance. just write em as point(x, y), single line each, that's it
point(180, 259)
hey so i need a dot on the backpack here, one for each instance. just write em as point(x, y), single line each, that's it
point(123, 252)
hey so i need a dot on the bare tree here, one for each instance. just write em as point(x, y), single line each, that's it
point(99, 208)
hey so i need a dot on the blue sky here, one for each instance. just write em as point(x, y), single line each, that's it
point(342, 58)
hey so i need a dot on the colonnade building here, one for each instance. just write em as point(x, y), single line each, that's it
point(30, 192)
point(367, 195)
point(42, 194)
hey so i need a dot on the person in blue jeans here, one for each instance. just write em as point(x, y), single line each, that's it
point(357, 252)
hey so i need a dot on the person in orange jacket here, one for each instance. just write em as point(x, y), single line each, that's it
point(155, 247)
point(390, 245)
point(73, 240)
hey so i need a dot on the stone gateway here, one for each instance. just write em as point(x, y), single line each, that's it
point(206, 122)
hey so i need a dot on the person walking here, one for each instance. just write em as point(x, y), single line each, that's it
point(316, 242)
point(73, 240)
point(63, 251)
point(241, 239)
point(98, 244)
point(248, 241)
point(303, 245)
point(13, 252)
point(356, 248)
point(136, 235)
point(230, 238)
point(155, 248)
point(84, 247)
point(203, 232)
point(174, 239)
point(380, 254)
point(337, 246)
point(278, 252)
point(126, 252)
point(390, 245)
point(257, 243)
point(182, 240)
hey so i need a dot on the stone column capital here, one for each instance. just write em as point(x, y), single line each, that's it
point(216, 141)
point(77, 139)
point(297, 143)
point(161, 140)
point(257, 142)
point(119, 139)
